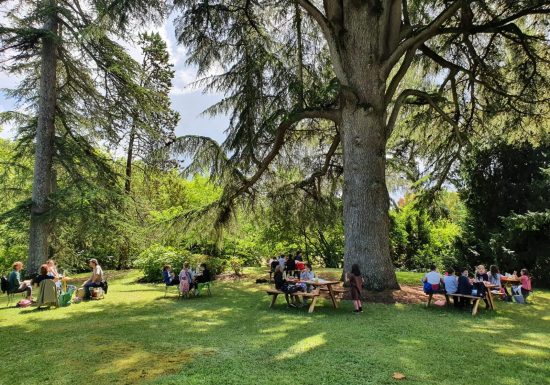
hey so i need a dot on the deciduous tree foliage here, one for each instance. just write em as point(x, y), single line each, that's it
point(476, 60)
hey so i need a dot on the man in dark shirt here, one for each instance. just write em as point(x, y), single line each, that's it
point(464, 287)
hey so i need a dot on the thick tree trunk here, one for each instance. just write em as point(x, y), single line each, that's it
point(366, 200)
point(45, 133)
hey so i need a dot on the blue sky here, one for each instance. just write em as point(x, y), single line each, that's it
point(187, 101)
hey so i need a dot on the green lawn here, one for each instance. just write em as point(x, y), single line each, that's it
point(135, 335)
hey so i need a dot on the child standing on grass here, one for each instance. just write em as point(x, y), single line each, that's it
point(356, 284)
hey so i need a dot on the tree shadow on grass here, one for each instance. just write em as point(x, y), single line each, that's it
point(234, 338)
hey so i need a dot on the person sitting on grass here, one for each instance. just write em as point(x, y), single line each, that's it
point(96, 280)
point(168, 277)
point(356, 285)
point(44, 274)
point(15, 285)
point(525, 283)
point(464, 287)
point(284, 286)
point(433, 278)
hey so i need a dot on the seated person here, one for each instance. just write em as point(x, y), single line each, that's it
point(15, 285)
point(299, 256)
point(450, 280)
point(42, 276)
point(290, 266)
point(274, 263)
point(52, 268)
point(481, 274)
point(525, 283)
point(205, 275)
point(96, 280)
point(186, 279)
point(282, 285)
point(282, 261)
point(168, 277)
point(464, 287)
point(494, 276)
point(433, 278)
point(307, 275)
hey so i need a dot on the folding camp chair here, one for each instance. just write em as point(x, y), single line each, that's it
point(204, 286)
point(48, 294)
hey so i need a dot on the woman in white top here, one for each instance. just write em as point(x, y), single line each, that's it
point(96, 280)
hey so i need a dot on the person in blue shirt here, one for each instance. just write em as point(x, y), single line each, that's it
point(168, 277)
point(306, 275)
point(450, 280)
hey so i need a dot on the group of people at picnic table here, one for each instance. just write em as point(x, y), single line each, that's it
point(49, 271)
point(461, 282)
point(187, 279)
point(292, 275)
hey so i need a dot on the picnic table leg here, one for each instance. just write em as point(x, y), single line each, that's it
point(331, 292)
point(447, 300)
point(312, 306)
point(474, 309)
point(490, 299)
point(273, 300)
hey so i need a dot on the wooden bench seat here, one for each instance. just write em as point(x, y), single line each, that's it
point(475, 299)
point(275, 293)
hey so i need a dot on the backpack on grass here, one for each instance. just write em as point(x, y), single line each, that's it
point(4, 284)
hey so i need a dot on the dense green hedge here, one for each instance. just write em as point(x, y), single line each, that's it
point(152, 260)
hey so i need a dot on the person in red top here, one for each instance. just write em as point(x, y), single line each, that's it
point(525, 283)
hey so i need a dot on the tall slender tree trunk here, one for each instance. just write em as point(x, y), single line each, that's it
point(299, 54)
point(125, 251)
point(129, 159)
point(45, 132)
point(366, 199)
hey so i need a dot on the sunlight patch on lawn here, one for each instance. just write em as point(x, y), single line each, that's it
point(303, 346)
point(141, 365)
point(525, 351)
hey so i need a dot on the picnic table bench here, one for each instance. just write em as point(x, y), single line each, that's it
point(314, 295)
point(488, 297)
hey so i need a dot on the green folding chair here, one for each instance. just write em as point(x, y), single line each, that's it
point(204, 286)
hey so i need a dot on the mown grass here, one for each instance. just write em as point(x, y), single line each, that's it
point(135, 336)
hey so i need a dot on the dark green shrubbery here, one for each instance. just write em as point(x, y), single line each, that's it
point(152, 260)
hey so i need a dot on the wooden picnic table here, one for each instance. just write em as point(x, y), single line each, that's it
point(323, 283)
point(488, 298)
point(509, 281)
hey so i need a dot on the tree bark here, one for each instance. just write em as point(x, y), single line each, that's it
point(366, 199)
point(129, 158)
point(365, 196)
point(44, 148)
